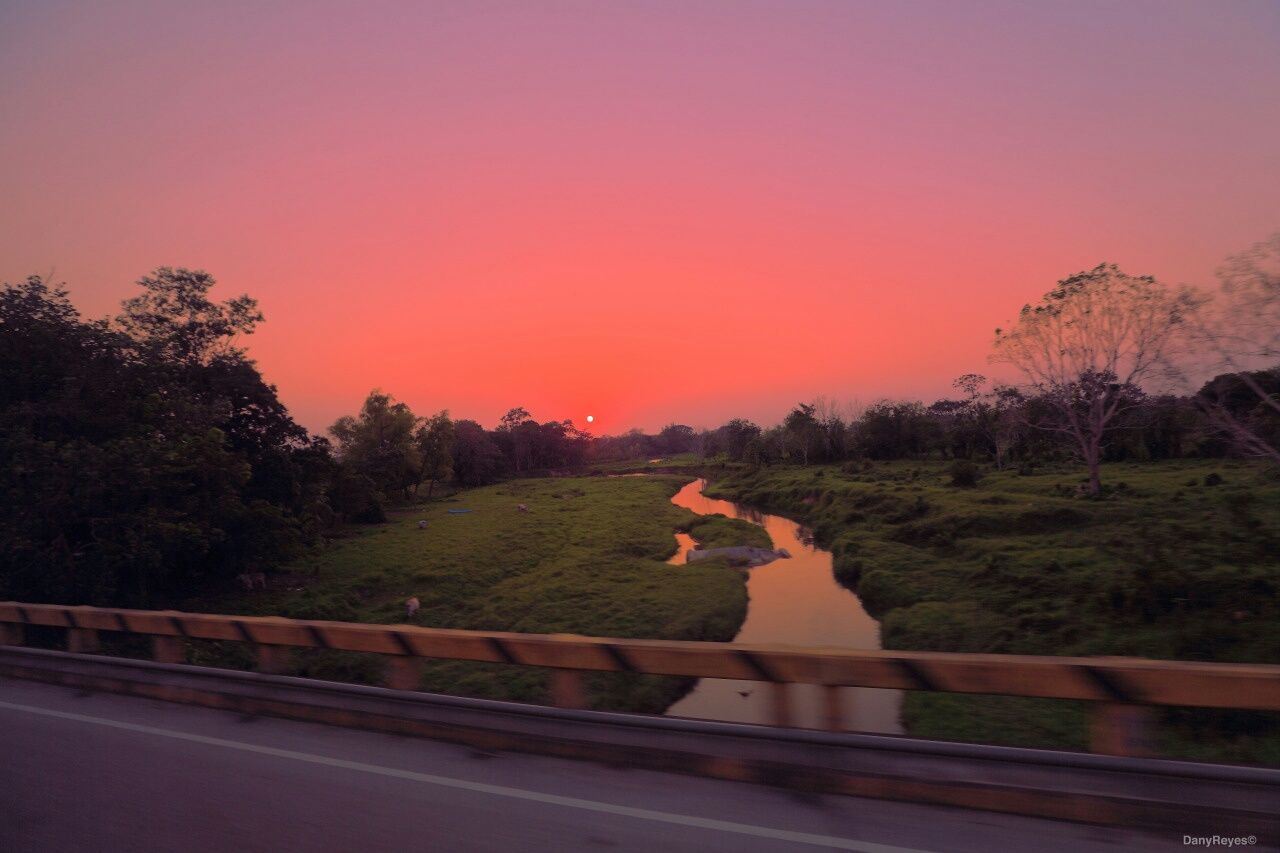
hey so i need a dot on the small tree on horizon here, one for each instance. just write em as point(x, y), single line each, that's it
point(802, 430)
point(1087, 348)
point(434, 438)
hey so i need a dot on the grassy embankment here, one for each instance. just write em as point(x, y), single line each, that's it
point(1180, 560)
point(587, 558)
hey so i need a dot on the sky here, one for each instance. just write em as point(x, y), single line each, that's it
point(643, 211)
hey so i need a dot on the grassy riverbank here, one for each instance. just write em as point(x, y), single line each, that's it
point(586, 558)
point(1180, 560)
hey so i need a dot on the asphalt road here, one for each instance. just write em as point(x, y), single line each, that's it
point(104, 773)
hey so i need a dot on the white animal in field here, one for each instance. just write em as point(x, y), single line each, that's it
point(411, 607)
point(422, 525)
point(522, 507)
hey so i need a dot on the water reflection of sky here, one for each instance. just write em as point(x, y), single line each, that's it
point(793, 602)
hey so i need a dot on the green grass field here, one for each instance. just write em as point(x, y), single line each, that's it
point(657, 464)
point(587, 558)
point(1179, 560)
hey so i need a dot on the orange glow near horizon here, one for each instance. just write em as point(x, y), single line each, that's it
point(662, 211)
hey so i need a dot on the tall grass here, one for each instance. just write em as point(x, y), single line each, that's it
point(587, 557)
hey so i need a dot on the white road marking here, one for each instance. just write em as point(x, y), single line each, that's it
point(483, 788)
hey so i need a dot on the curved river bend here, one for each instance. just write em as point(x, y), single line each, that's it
point(793, 602)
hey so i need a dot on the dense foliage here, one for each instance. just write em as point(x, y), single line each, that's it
point(144, 455)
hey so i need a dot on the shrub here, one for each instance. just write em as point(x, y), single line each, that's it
point(964, 474)
point(944, 626)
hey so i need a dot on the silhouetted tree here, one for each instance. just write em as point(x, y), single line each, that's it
point(1239, 333)
point(675, 438)
point(174, 321)
point(802, 431)
point(477, 460)
point(736, 438)
point(434, 438)
point(143, 458)
point(1087, 347)
point(380, 443)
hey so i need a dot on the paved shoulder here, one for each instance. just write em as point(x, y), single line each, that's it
point(113, 773)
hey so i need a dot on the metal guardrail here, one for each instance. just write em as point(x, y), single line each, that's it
point(1122, 689)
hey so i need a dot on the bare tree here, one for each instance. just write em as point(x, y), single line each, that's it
point(1088, 346)
point(1238, 334)
point(1248, 315)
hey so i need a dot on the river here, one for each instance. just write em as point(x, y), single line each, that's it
point(795, 602)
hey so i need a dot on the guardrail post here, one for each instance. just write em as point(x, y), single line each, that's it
point(82, 641)
point(272, 659)
point(11, 634)
point(404, 673)
point(834, 707)
point(566, 689)
point(781, 699)
point(1116, 728)
point(168, 650)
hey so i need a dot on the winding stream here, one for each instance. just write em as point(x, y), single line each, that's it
point(792, 602)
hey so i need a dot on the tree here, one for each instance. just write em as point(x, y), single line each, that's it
point(833, 435)
point(981, 420)
point(1087, 347)
point(802, 430)
point(895, 429)
point(676, 438)
point(135, 467)
point(564, 445)
point(477, 460)
point(434, 439)
point(736, 438)
point(379, 443)
point(1240, 333)
point(518, 431)
point(1003, 421)
point(1242, 408)
point(175, 320)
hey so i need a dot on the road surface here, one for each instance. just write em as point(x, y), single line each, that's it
point(104, 773)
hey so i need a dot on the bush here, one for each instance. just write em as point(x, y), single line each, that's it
point(964, 474)
point(961, 626)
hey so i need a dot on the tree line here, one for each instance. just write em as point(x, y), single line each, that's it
point(1000, 425)
point(1106, 362)
point(390, 452)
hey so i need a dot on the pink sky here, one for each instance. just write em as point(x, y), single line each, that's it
point(643, 211)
